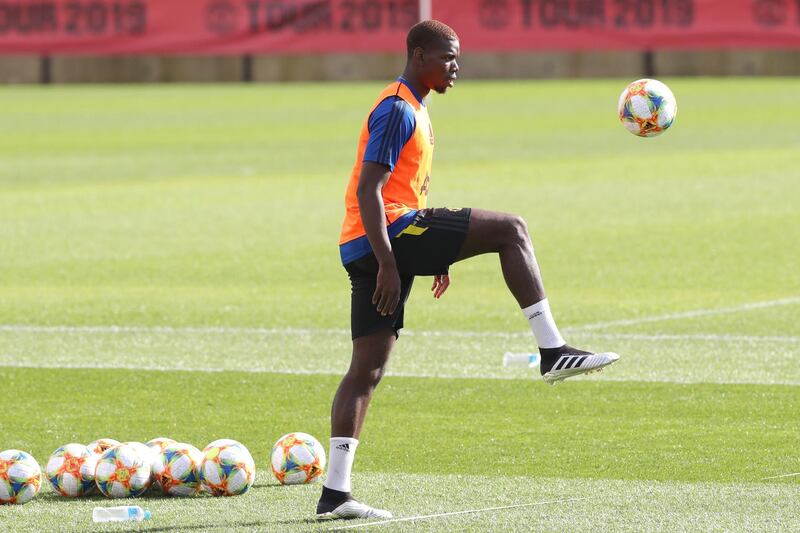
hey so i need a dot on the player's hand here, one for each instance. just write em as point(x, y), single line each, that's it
point(440, 284)
point(387, 289)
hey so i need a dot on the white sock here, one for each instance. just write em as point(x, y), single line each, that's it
point(343, 451)
point(543, 325)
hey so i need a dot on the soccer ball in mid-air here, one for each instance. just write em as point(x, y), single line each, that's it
point(20, 477)
point(647, 108)
point(297, 458)
point(100, 445)
point(177, 470)
point(227, 469)
point(70, 470)
point(122, 472)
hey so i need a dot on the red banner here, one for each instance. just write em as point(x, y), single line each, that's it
point(506, 25)
point(319, 26)
point(204, 26)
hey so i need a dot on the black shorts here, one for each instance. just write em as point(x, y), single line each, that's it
point(427, 247)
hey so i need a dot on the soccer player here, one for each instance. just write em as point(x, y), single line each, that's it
point(389, 236)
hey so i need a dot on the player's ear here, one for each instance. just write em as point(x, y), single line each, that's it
point(418, 55)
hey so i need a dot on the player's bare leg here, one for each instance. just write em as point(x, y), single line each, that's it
point(367, 366)
point(508, 236)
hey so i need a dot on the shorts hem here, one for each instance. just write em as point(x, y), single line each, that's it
point(376, 329)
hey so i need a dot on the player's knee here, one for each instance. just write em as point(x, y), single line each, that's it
point(373, 376)
point(367, 378)
point(376, 375)
point(517, 229)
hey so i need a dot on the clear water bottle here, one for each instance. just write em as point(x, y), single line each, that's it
point(120, 514)
point(526, 360)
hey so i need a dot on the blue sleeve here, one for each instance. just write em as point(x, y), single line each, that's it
point(390, 126)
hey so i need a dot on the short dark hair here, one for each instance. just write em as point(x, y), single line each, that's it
point(428, 33)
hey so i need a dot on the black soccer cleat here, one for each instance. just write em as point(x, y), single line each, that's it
point(351, 509)
point(335, 504)
point(558, 364)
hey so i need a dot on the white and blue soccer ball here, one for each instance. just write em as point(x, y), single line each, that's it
point(223, 442)
point(177, 470)
point(647, 108)
point(123, 472)
point(20, 477)
point(227, 469)
point(156, 446)
point(297, 458)
point(148, 454)
point(70, 470)
point(100, 445)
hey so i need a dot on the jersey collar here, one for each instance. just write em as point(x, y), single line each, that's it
point(402, 80)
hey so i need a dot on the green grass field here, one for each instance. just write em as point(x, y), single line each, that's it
point(168, 267)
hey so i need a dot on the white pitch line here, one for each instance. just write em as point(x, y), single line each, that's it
point(193, 330)
point(686, 314)
point(426, 517)
point(780, 476)
point(24, 328)
point(207, 370)
point(658, 337)
point(219, 330)
point(157, 368)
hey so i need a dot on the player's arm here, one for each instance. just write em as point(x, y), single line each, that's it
point(370, 202)
point(391, 125)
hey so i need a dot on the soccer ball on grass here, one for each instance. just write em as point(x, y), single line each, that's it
point(298, 458)
point(227, 469)
point(177, 470)
point(70, 470)
point(100, 445)
point(20, 477)
point(156, 447)
point(122, 472)
point(158, 444)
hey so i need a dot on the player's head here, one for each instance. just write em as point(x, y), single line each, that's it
point(433, 48)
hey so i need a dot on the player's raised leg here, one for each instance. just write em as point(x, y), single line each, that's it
point(367, 366)
point(508, 236)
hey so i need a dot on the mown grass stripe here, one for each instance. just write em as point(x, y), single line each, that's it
point(390, 373)
point(234, 330)
point(688, 314)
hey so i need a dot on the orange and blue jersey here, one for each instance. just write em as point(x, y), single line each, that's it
point(396, 133)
